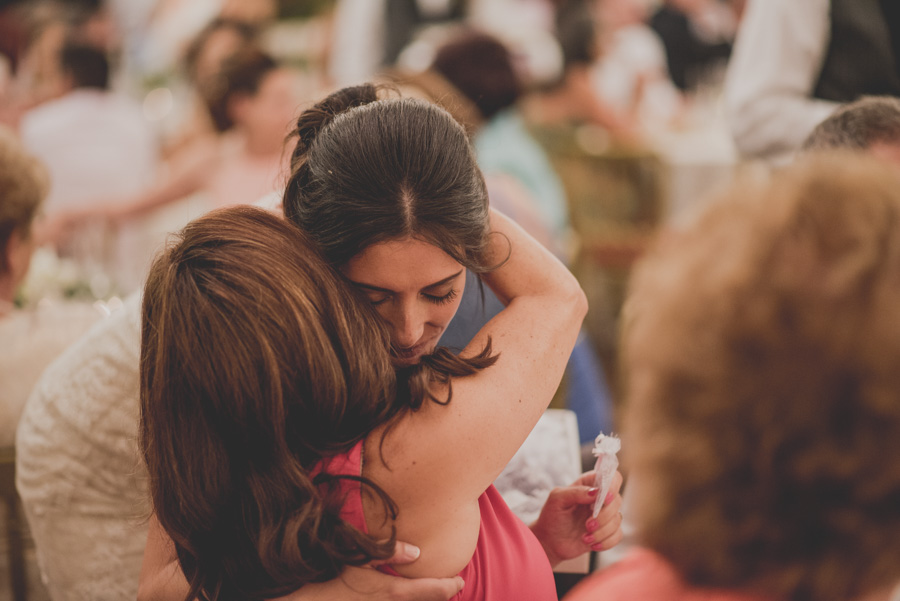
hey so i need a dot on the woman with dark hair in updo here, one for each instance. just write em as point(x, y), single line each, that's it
point(241, 459)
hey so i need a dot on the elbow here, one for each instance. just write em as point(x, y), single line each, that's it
point(577, 300)
point(581, 306)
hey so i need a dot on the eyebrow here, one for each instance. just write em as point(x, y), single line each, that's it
point(434, 285)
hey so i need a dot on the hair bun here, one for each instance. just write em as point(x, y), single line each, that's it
point(313, 120)
point(309, 124)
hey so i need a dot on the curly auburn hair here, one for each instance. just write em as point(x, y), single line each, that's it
point(763, 414)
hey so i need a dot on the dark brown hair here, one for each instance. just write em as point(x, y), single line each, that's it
point(242, 73)
point(367, 170)
point(87, 65)
point(245, 32)
point(858, 125)
point(482, 68)
point(258, 360)
point(763, 410)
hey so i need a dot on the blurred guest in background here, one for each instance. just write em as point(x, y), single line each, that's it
point(251, 103)
point(369, 35)
point(795, 62)
point(871, 124)
point(38, 31)
point(572, 99)
point(631, 72)
point(481, 68)
point(697, 35)
point(220, 40)
point(96, 144)
point(32, 337)
point(173, 24)
point(756, 454)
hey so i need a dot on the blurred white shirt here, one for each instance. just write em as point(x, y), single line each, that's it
point(96, 144)
point(777, 57)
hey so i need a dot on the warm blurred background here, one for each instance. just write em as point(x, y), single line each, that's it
point(597, 123)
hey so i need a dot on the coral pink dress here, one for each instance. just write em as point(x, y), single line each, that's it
point(508, 563)
point(645, 576)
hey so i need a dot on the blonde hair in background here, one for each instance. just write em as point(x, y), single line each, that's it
point(24, 183)
point(763, 411)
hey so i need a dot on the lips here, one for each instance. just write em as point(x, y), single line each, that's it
point(410, 355)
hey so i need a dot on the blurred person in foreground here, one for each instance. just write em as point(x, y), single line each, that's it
point(870, 124)
point(33, 336)
point(795, 62)
point(757, 453)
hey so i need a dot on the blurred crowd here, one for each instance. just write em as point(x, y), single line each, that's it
point(136, 106)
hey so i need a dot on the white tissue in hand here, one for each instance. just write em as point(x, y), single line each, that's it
point(605, 449)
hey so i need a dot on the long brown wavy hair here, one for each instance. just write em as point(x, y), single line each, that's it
point(258, 360)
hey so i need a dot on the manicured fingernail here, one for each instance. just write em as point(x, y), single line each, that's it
point(588, 539)
point(411, 551)
point(592, 524)
point(592, 492)
point(597, 547)
point(609, 498)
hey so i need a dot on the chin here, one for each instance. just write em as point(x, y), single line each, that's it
point(406, 361)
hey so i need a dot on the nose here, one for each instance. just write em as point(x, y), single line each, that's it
point(407, 326)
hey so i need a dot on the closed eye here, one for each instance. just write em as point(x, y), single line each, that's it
point(442, 300)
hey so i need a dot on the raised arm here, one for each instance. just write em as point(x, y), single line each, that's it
point(440, 459)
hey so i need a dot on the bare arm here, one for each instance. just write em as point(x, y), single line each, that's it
point(161, 576)
point(442, 458)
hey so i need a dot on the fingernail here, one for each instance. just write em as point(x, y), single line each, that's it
point(412, 551)
point(609, 498)
point(592, 492)
point(597, 547)
point(592, 524)
point(461, 582)
point(588, 539)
